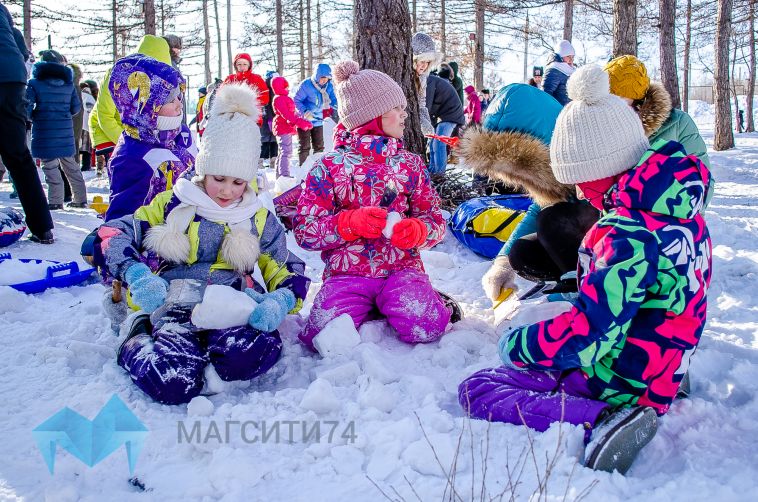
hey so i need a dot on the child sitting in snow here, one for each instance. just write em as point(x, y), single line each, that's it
point(212, 229)
point(286, 124)
point(644, 270)
point(155, 147)
point(343, 210)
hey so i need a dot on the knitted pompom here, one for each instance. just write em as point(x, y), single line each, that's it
point(588, 84)
point(236, 98)
point(344, 69)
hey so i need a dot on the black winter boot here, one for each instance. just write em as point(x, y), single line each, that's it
point(619, 438)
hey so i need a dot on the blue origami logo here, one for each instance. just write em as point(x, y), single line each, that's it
point(91, 441)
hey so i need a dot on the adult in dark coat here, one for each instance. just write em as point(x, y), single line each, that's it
point(446, 112)
point(13, 150)
point(558, 71)
point(52, 102)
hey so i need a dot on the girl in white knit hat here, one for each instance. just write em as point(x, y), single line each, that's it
point(212, 229)
point(373, 269)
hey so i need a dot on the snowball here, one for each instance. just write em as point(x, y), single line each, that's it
point(222, 307)
point(378, 396)
point(393, 219)
point(320, 397)
point(213, 382)
point(338, 337)
point(200, 406)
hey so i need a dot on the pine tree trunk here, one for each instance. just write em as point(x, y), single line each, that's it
point(319, 37)
point(383, 42)
point(206, 42)
point(149, 17)
point(229, 36)
point(624, 27)
point(443, 27)
point(479, 5)
point(28, 23)
point(309, 38)
point(526, 47)
point(302, 41)
point(687, 42)
point(667, 40)
point(218, 39)
point(114, 26)
point(279, 39)
point(413, 16)
point(749, 123)
point(723, 138)
point(568, 20)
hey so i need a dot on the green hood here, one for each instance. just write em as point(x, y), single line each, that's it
point(155, 47)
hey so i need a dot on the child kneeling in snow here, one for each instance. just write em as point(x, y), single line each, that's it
point(343, 211)
point(212, 229)
point(644, 270)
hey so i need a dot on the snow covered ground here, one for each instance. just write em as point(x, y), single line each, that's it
point(387, 412)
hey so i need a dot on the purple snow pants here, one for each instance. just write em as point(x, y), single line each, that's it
point(406, 299)
point(494, 394)
point(168, 363)
point(285, 152)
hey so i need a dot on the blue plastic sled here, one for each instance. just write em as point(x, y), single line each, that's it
point(59, 275)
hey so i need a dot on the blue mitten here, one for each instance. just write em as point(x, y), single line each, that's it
point(271, 310)
point(147, 289)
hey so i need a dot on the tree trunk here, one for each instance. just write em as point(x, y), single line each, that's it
point(687, 42)
point(443, 27)
point(206, 42)
point(149, 17)
point(383, 42)
point(301, 40)
point(28, 23)
point(667, 40)
point(229, 35)
point(279, 39)
point(309, 38)
point(733, 87)
point(568, 20)
point(413, 14)
point(319, 37)
point(526, 47)
point(749, 123)
point(114, 33)
point(479, 5)
point(218, 39)
point(624, 27)
point(723, 138)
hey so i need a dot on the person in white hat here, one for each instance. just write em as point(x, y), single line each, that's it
point(212, 229)
point(560, 68)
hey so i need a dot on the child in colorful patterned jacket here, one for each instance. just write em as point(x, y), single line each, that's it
point(644, 270)
point(343, 211)
point(211, 229)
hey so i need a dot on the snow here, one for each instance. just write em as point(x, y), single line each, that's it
point(235, 306)
point(14, 271)
point(338, 337)
point(386, 412)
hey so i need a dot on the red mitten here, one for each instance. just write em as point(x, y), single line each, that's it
point(305, 125)
point(365, 222)
point(409, 233)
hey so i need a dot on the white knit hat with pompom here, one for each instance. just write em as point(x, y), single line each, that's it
point(596, 135)
point(363, 95)
point(231, 142)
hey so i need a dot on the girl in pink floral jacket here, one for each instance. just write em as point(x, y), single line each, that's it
point(373, 269)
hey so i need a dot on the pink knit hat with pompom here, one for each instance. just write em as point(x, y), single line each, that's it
point(363, 95)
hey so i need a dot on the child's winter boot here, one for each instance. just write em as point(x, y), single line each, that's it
point(618, 439)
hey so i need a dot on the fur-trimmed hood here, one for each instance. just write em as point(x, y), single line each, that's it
point(655, 108)
point(516, 158)
point(44, 70)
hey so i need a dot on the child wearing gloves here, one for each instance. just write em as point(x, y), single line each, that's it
point(286, 124)
point(344, 209)
point(211, 229)
point(615, 360)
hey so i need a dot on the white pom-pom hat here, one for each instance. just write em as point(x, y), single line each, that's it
point(596, 135)
point(231, 142)
point(363, 95)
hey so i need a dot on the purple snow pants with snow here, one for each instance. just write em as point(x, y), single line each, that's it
point(285, 152)
point(406, 299)
point(168, 363)
point(497, 395)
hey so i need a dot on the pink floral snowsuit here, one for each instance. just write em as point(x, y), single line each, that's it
point(371, 278)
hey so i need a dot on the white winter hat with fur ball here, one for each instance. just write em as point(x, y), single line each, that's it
point(231, 142)
point(596, 135)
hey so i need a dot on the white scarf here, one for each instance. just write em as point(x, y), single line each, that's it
point(564, 68)
point(240, 247)
point(326, 100)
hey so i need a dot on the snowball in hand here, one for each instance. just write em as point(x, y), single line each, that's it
point(392, 219)
point(222, 307)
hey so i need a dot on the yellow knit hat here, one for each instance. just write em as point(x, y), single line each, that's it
point(628, 77)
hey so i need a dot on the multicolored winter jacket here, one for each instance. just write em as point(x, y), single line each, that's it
point(121, 243)
point(145, 161)
point(644, 270)
point(358, 173)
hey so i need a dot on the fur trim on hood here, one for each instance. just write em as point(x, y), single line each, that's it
point(51, 71)
point(655, 109)
point(517, 159)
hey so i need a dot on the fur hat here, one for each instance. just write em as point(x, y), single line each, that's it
point(628, 77)
point(597, 135)
point(564, 48)
point(231, 142)
point(363, 95)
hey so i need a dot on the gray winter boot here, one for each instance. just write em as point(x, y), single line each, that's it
point(619, 438)
point(180, 292)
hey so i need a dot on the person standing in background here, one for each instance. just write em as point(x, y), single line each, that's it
point(558, 72)
point(85, 145)
point(315, 101)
